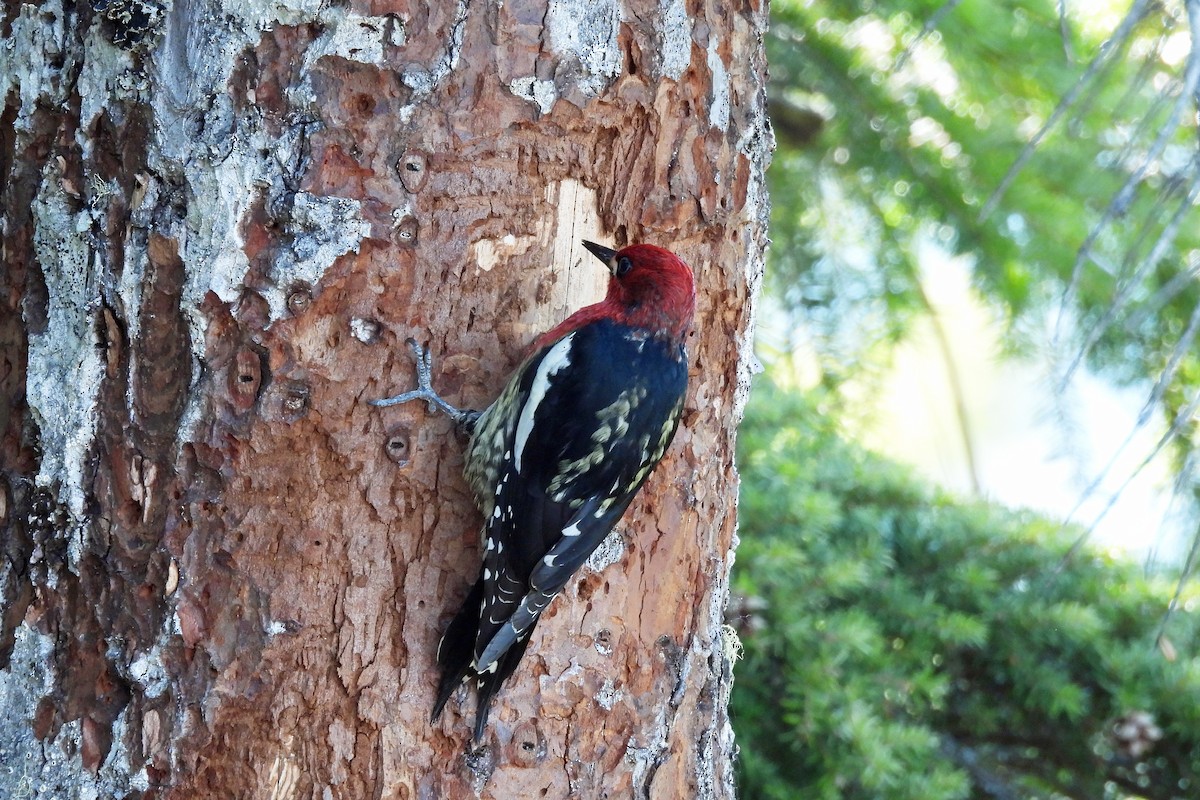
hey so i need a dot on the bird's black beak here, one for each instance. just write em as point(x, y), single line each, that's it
point(603, 253)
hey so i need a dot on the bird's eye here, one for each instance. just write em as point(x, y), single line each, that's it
point(623, 267)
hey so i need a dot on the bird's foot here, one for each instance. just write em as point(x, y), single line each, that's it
point(464, 418)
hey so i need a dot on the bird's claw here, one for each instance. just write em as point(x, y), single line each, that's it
point(425, 391)
point(424, 361)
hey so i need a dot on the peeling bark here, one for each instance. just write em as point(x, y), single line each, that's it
point(225, 573)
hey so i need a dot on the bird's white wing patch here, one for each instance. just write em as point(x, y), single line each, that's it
point(558, 357)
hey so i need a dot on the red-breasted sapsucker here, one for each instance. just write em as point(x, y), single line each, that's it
point(558, 457)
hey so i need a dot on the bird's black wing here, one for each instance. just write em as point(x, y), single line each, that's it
point(598, 410)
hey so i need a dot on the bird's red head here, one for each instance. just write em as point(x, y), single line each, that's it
point(649, 288)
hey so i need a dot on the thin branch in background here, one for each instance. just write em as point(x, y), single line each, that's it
point(956, 387)
point(1189, 565)
point(1133, 87)
point(930, 25)
point(1070, 437)
point(1111, 47)
point(1124, 196)
point(1132, 269)
point(1130, 287)
point(952, 376)
point(1134, 90)
point(1183, 479)
point(1177, 427)
point(1098, 480)
point(1174, 187)
point(1064, 30)
point(1120, 204)
point(1193, 13)
point(1165, 294)
point(1182, 348)
point(1150, 66)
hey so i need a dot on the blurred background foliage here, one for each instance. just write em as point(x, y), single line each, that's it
point(903, 645)
point(900, 643)
point(1058, 153)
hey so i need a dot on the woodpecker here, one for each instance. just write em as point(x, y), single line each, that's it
point(556, 459)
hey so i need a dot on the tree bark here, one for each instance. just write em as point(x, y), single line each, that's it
point(225, 573)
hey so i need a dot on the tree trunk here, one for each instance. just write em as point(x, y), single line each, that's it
point(225, 573)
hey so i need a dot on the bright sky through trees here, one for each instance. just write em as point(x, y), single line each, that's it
point(1048, 148)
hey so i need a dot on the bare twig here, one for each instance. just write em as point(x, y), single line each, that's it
point(929, 27)
point(1182, 348)
point(1120, 204)
point(1189, 565)
point(956, 387)
point(1178, 425)
point(1108, 50)
point(1130, 286)
point(1121, 200)
point(1183, 480)
point(1151, 65)
point(1193, 12)
point(1064, 30)
point(1165, 294)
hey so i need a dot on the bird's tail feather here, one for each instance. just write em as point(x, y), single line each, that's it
point(456, 654)
point(490, 683)
point(456, 650)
